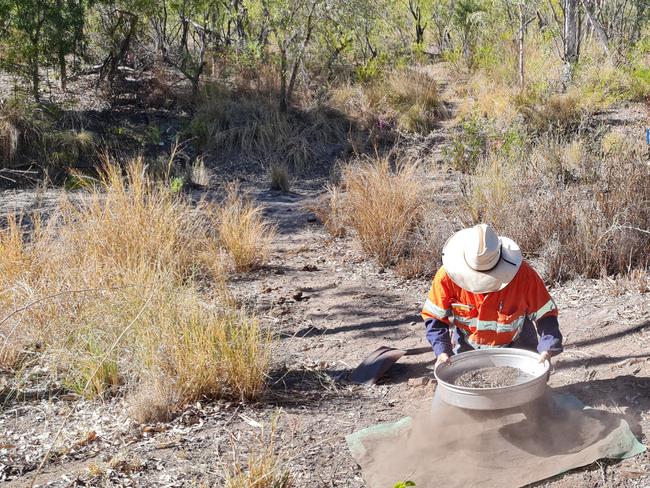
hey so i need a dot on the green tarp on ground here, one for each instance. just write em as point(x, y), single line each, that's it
point(451, 447)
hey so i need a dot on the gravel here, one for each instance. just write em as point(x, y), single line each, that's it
point(492, 377)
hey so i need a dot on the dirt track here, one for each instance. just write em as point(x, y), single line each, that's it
point(330, 306)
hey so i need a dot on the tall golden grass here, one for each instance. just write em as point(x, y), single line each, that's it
point(579, 210)
point(263, 466)
point(249, 123)
point(405, 100)
point(384, 207)
point(492, 88)
point(125, 287)
point(243, 232)
point(330, 210)
point(578, 207)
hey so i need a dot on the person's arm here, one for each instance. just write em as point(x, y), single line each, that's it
point(438, 336)
point(436, 313)
point(543, 311)
point(550, 337)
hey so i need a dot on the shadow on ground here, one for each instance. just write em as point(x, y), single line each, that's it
point(601, 339)
point(306, 387)
point(628, 395)
point(402, 372)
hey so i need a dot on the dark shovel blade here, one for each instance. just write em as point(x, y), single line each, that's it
point(376, 364)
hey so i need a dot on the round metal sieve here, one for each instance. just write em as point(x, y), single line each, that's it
point(492, 398)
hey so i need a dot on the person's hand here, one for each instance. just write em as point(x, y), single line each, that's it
point(545, 356)
point(443, 359)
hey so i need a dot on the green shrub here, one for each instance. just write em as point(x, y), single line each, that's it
point(477, 137)
point(466, 150)
point(640, 83)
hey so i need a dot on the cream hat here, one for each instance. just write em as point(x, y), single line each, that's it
point(478, 260)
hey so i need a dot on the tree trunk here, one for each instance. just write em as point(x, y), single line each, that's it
point(373, 51)
point(570, 31)
point(596, 26)
point(283, 81)
point(466, 51)
point(63, 73)
point(199, 71)
point(35, 79)
point(416, 11)
point(522, 28)
point(419, 28)
point(298, 61)
point(35, 39)
point(241, 16)
point(419, 32)
point(184, 36)
point(571, 44)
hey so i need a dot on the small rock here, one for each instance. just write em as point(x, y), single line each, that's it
point(299, 296)
point(310, 267)
point(414, 382)
point(413, 323)
point(279, 311)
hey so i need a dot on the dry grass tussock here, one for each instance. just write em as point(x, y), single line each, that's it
point(406, 100)
point(383, 205)
point(541, 112)
point(577, 207)
point(18, 131)
point(558, 114)
point(9, 137)
point(125, 287)
point(250, 124)
point(243, 232)
point(330, 210)
point(279, 176)
point(263, 467)
point(580, 211)
point(30, 134)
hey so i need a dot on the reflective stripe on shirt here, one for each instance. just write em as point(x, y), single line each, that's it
point(478, 324)
point(476, 345)
point(546, 308)
point(436, 311)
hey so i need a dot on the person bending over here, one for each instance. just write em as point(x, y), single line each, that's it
point(491, 297)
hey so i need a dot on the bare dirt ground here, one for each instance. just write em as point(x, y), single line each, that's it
point(330, 307)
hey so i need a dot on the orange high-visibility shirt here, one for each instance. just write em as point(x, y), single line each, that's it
point(490, 319)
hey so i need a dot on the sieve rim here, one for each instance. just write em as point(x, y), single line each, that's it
point(487, 353)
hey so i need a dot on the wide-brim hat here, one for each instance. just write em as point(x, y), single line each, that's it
point(480, 261)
